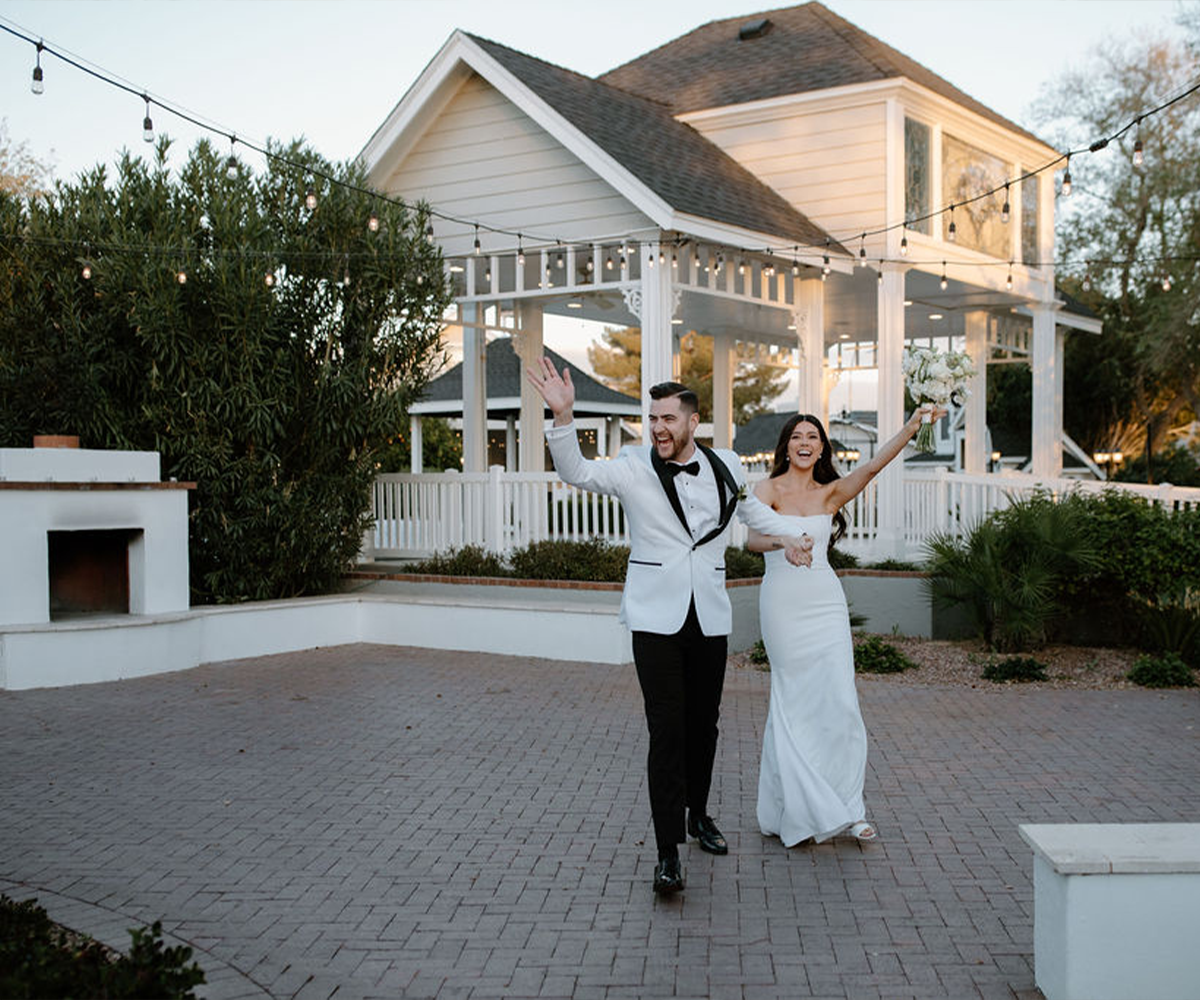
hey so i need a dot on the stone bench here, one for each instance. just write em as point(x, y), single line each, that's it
point(1115, 910)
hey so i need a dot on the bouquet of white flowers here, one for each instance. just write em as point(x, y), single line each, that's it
point(935, 377)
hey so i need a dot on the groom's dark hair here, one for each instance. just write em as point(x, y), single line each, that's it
point(687, 399)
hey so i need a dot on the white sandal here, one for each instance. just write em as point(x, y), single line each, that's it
point(864, 831)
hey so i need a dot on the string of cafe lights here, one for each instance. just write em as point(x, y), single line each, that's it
point(797, 255)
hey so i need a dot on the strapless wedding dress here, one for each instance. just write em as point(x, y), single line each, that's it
point(814, 755)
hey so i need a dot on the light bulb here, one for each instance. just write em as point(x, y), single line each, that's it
point(1006, 211)
point(826, 268)
point(608, 262)
point(36, 85)
point(1066, 183)
point(795, 268)
point(147, 127)
point(487, 275)
point(310, 198)
point(86, 272)
point(1166, 283)
point(650, 262)
point(623, 262)
point(945, 283)
point(675, 262)
point(590, 265)
point(952, 231)
point(429, 231)
point(181, 276)
point(1087, 281)
point(231, 167)
point(741, 267)
point(879, 274)
point(903, 246)
point(662, 257)
point(269, 280)
point(1008, 283)
point(1137, 153)
point(373, 223)
point(520, 252)
point(558, 261)
point(862, 256)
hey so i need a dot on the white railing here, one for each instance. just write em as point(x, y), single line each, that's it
point(419, 514)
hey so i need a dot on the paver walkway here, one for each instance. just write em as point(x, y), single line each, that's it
point(378, 822)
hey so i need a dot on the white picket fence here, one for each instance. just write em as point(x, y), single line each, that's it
point(417, 514)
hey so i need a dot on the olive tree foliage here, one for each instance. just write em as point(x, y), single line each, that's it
point(21, 173)
point(272, 395)
point(1141, 378)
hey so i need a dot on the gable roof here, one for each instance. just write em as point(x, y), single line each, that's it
point(805, 48)
point(686, 170)
point(444, 394)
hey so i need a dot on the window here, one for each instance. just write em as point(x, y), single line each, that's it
point(1030, 250)
point(967, 172)
point(916, 175)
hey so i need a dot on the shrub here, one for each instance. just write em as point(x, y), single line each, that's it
point(842, 560)
point(897, 565)
point(1167, 670)
point(1015, 668)
point(1171, 624)
point(470, 560)
point(1010, 570)
point(742, 564)
point(592, 560)
point(874, 656)
point(38, 959)
point(758, 654)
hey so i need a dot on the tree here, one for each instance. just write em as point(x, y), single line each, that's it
point(617, 361)
point(21, 173)
point(266, 350)
point(441, 448)
point(1141, 230)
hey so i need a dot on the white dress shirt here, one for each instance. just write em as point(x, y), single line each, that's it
point(698, 496)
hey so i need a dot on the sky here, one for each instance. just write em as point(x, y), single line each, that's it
point(332, 70)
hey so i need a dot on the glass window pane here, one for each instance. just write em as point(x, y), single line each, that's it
point(1029, 220)
point(916, 175)
point(967, 172)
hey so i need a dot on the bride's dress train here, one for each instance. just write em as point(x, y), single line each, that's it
point(814, 754)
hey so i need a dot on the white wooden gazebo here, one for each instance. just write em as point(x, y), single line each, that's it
point(791, 214)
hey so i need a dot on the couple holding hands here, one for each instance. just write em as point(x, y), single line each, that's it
point(680, 497)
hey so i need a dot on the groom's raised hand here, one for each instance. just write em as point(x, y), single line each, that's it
point(557, 390)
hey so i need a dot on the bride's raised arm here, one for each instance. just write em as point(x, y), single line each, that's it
point(845, 489)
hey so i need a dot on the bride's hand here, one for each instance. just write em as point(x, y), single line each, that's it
point(798, 551)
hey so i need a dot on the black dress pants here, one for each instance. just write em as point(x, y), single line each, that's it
point(682, 676)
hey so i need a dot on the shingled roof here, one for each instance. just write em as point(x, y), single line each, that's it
point(676, 162)
point(803, 48)
point(504, 377)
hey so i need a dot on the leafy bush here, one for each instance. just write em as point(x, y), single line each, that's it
point(758, 655)
point(842, 560)
point(1010, 570)
point(742, 564)
point(273, 398)
point(1015, 668)
point(470, 560)
point(1171, 624)
point(1167, 670)
point(592, 560)
point(895, 565)
point(37, 959)
point(874, 656)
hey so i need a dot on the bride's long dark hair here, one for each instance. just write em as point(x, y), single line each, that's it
point(823, 471)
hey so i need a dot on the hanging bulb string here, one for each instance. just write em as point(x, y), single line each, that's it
point(538, 241)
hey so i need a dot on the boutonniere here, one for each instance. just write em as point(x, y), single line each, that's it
point(741, 494)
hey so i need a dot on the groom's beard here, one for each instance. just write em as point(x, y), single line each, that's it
point(675, 448)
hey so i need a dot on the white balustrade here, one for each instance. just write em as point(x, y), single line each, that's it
point(417, 514)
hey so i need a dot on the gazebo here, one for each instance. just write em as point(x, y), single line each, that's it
point(772, 181)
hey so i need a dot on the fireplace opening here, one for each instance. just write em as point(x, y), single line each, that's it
point(89, 571)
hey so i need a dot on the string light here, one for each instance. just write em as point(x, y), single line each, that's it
point(674, 262)
point(608, 261)
point(862, 252)
point(269, 279)
point(36, 85)
point(1087, 278)
point(1166, 283)
point(1066, 181)
point(147, 124)
point(310, 198)
point(478, 245)
point(558, 261)
point(520, 252)
point(945, 283)
point(590, 266)
point(373, 223)
point(879, 274)
point(181, 276)
point(1006, 211)
point(952, 231)
point(904, 244)
point(1138, 158)
point(795, 268)
point(1008, 283)
point(231, 165)
point(429, 232)
point(662, 257)
point(86, 272)
point(825, 269)
point(650, 261)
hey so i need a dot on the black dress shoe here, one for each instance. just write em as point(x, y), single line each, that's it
point(705, 831)
point(668, 877)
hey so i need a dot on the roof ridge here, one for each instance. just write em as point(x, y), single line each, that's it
point(852, 37)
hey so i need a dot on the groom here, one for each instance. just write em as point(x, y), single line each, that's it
point(679, 497)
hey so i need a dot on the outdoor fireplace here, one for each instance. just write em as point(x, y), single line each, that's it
point(89, 532)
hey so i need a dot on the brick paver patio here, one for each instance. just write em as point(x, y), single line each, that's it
point(381, 822)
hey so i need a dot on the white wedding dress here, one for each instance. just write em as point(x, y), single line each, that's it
point(814, 755)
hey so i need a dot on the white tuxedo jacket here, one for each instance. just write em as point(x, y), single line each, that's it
point(667, 569)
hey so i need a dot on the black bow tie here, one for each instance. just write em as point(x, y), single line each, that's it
point(692, 469)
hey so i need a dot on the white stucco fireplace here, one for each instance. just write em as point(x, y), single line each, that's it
point(89, 533)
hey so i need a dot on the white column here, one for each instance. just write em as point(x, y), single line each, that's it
point(1046, 362)
point(810, 333)
point(654, 315)
point(474, 387)
point(528, 347)
point(614, 436)
point(722, 390)
point(510, 443)
point(416, 458)
point(890, 408)
point(976, 457)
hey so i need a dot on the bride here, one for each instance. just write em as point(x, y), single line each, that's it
point(814, 755)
